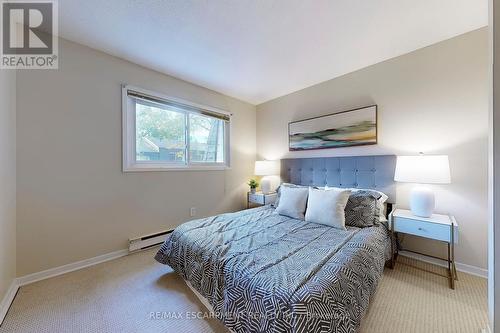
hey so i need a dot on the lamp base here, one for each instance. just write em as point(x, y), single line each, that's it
point(422, 201)
point(265, 185)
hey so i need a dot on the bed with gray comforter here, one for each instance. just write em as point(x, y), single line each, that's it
point(263, 272)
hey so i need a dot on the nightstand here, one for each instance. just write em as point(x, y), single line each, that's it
point(261, 199)
point(442, 228)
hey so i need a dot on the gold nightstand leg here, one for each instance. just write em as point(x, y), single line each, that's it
point(451, 274)
point(451, 259)
point(454, 268)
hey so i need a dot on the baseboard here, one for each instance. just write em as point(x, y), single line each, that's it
point(7, 300)
point(30, 278)
point(473, 270)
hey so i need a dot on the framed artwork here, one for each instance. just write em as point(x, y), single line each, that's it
point(349, 128)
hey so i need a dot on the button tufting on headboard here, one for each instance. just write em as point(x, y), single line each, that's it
point(356, 171)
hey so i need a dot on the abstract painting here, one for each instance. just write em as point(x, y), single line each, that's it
point(342, 129)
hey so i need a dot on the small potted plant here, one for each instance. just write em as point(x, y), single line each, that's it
point(253, 185)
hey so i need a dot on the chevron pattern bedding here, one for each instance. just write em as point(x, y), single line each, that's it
point(263, 272)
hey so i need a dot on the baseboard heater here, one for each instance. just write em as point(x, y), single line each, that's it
point(148, 241)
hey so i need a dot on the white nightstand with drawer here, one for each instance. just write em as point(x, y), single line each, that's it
point(438, 227)
point(260, 198)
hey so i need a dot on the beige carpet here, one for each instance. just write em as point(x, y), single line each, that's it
point(121, 295)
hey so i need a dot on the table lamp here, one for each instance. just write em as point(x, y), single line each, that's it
point(266, 169)
point(422, 169)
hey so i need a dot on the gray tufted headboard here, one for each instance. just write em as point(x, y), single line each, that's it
point(374, 172)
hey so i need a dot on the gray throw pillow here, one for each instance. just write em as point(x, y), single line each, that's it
point(362, 209)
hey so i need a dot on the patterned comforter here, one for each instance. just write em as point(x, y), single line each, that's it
point(263, 272)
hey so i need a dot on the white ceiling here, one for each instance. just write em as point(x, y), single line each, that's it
point(257, 50)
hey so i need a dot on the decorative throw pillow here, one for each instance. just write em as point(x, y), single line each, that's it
point(292, 202)
point(381, 199)
point(380, 196)
point(327, 207)
point(362, 209)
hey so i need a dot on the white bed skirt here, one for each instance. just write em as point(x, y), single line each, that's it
point(202, 299)
point(200, 296)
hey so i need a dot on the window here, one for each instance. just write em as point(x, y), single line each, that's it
point(163, 133)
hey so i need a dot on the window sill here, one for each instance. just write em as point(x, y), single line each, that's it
point(157, 168)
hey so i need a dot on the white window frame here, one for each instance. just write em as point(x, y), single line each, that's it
point(130, 164)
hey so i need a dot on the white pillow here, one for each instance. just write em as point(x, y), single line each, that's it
point(327, 207)
point(293, 201)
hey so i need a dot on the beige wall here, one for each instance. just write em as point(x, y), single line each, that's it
point(73, 200)
point(7, 180)
point(433, 100)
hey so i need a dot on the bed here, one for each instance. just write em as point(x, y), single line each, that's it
point(264, 272)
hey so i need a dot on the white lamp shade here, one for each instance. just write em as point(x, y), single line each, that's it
point(267, 168)
point(423, 169)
